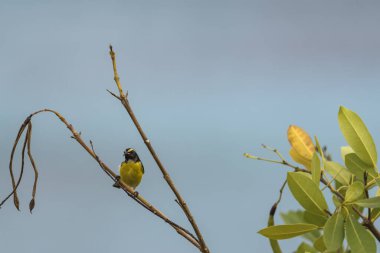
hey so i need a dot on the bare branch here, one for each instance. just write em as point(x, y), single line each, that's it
point(185, 208)
point(14, 184)
point(32, 201)
point(130, 191)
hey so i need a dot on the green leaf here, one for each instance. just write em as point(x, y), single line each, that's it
point(293, 217)
point(337, 202)
point(358, 238)
point(357, 136)
point(273, 243)
point(342, 190)
point(320, 150)
point(354, 191)
point(333, 232)
point(315, 219)
point(375, 212)
point(281, 232)
point(353, 212)
point(371, 202)
point(315, 168)
point(304, 247)
point(307, 193)
point(337, 171)
point(337, 184)
point(319, 244)
point(358, 167)
point(345, 150)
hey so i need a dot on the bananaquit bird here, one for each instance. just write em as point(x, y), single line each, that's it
point(131, 170)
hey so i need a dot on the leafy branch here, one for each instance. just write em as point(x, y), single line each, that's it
point(349, 187)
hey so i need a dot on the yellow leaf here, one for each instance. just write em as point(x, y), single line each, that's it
point(299, 159)
point(301, 142)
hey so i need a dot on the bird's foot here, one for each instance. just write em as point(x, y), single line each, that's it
point(117, 184)
point(136, 194)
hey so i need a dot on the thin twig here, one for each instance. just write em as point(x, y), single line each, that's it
point(32, 201)
point(15, 185)
point(281, 191)
point(283, 162)
point(365, 177)
point(273, 209)
point(263, 159)
point(113, 94)
point(275, 150)
point(14, 192)
point(124, 100)
point(329, 182)
point(274, 243)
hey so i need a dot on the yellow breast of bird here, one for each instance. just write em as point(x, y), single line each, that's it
point(131, 173)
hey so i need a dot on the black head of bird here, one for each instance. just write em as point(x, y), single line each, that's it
point(130, 154)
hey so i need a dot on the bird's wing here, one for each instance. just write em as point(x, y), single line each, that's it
point(142, 167)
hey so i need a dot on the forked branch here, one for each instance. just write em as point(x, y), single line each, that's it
point(197, 239)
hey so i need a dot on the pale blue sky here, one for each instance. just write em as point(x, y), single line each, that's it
point(209, 80)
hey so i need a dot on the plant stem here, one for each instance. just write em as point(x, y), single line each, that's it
point(274, 243)
point(124, 100)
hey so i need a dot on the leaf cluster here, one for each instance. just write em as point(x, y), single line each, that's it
point(346, 225)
